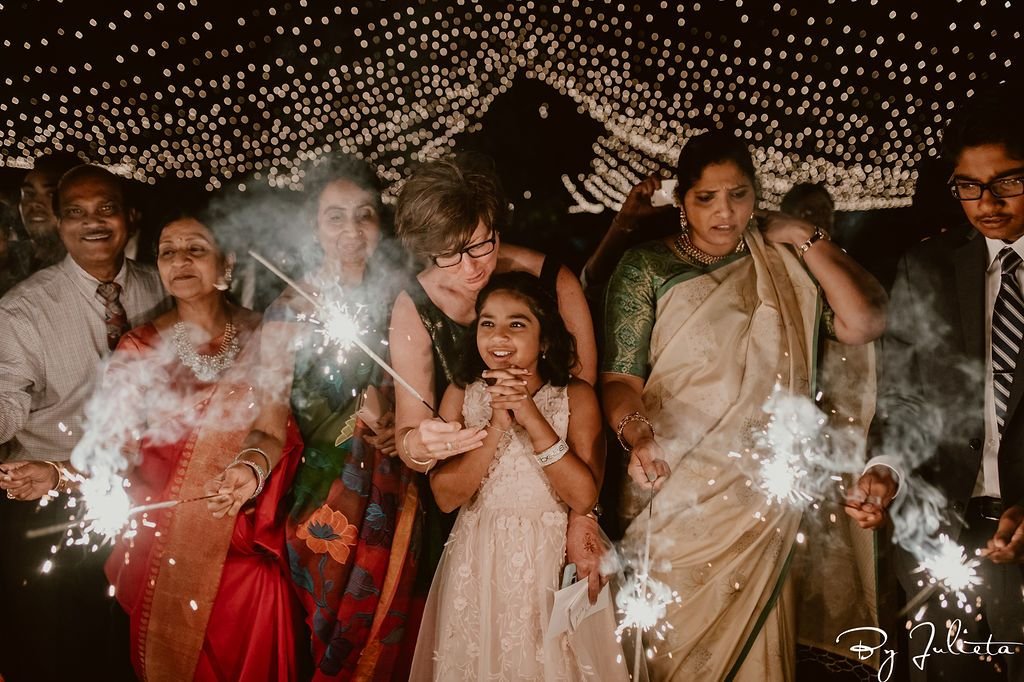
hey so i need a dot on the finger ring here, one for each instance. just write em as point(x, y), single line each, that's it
point(10, 496)
point(448, 445)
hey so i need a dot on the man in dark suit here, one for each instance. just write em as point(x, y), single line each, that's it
point(950, 421)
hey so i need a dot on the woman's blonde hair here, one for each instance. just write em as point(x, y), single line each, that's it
point(441, 205)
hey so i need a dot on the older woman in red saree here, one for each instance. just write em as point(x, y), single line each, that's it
point(206, 586)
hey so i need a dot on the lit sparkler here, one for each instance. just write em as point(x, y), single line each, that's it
point(109, 516)
point(339, 325)
point(793, 427)
point(107, 506)
point(643, 601)
point(948, 567)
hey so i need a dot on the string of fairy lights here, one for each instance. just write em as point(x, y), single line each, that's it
point(851, 93)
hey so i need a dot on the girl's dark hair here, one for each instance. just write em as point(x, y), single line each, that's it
point(707, 149)
point(559, 356)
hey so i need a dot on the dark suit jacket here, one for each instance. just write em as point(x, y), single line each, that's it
point(931, 387)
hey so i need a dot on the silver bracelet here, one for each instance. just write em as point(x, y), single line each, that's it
point(266, 459)
point(261, 477)
point(553, 454)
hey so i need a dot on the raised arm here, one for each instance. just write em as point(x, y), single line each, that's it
point(856, 297)
point(572, 304)
point(621, 233)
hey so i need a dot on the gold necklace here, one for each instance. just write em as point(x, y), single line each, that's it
point(688, 251)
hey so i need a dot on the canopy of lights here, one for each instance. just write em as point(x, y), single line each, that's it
point(850, 93)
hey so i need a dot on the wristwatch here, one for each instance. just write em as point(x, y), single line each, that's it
point(819, 234)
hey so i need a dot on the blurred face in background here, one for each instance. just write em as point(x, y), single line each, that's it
point(348, 225)
point(36, 204)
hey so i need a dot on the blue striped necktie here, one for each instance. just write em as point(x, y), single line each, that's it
point(1007, 332)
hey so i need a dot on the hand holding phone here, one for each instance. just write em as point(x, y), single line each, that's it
point(664, 195)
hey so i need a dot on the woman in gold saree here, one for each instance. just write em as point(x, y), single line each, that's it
point(700, 327)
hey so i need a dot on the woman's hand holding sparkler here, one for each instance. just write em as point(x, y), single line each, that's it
point(869, 499)
point(647, 466)
point(436, 439)
point(233, 488)
point(1007, 545)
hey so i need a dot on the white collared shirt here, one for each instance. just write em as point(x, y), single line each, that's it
point(53, 341)
point(988, 476)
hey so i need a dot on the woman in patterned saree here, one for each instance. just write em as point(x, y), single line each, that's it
point(208, 597)
point(700, 326)
point(350, 521)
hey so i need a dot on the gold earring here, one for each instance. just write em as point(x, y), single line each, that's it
point(224, 283)
point(682, 220)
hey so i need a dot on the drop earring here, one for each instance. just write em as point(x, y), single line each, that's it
point(224, 283)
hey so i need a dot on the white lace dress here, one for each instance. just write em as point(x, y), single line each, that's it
point(491, 597)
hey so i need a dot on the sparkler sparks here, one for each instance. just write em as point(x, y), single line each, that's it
point(643, 601)
point(339, 325)
point(336, 320)
point(785, 475)
point(107, 506)
point(948, 565)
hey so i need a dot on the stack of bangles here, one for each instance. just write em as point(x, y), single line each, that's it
point(260, 472)
point(631, 417)
point(429, 464)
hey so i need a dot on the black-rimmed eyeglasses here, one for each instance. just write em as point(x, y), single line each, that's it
point(478, 250)
point(1002, 188)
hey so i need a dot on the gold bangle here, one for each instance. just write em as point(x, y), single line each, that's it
point(259, 452)
point(631, 417)
point(62, 479)
point(429, 464)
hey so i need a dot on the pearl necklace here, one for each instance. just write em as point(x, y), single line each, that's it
point(206, 367)
point(688, 251)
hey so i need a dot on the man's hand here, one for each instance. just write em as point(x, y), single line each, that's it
point(869, 499)
point(1007, 545)
point(27, 480)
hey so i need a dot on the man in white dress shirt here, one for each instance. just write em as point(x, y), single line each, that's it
point(56, 328)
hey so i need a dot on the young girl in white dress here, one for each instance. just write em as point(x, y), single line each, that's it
point(491, 598)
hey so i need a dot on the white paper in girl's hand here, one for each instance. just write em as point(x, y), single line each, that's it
point(664, 195)
point(572, 606)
